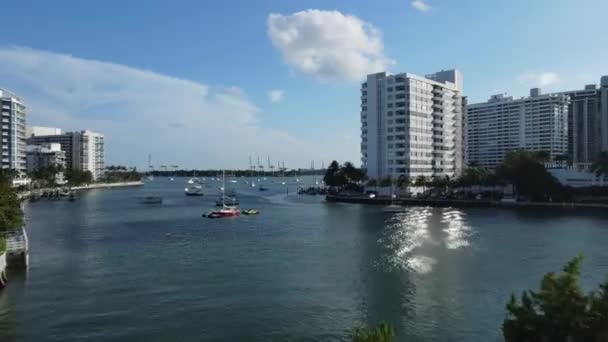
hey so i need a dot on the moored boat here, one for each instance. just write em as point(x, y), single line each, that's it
point(152, 200)
point(195, 190)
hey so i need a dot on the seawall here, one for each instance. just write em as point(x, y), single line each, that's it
point(106, 185)
point(458, 203)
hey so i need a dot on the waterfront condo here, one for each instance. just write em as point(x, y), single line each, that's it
point(502, 124)
point(84, 150)
point(411, 125)
point(13, 131)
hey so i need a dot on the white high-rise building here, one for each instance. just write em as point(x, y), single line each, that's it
point(12, 142)
point(84, 150)
point(535, 123)
point(411, 125)
point(39, 130)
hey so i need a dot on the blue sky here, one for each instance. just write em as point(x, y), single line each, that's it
point(190, 81)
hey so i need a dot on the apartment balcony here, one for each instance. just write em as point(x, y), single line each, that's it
point(437, 105)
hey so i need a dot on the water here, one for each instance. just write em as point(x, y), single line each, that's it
point(107, 268)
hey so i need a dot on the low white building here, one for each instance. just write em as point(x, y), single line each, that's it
point(577, 176)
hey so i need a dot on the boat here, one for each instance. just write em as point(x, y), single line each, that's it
point(262, 188)
point(194, 180)
point(195, 190)
point(227, 209)
point(251, 212)
point(152, 200)
point(228, 200)
point(150, 168)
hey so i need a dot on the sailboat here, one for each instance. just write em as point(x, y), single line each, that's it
point(150, 168)
point(226, 211)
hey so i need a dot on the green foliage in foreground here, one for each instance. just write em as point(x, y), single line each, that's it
point(11, 215)
point(383, 332)
point(2, 244)
point(559, 311)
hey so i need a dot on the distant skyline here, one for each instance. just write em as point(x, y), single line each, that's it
point(208, 84)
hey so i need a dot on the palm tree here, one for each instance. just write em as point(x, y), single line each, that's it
point(600, 165)
point(421, 181)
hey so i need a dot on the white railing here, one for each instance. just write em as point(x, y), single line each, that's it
point(16, 242)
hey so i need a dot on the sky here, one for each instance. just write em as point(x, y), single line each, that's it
point(207, 84)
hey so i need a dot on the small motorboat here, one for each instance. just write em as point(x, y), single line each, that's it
point(195, 190)
point(250, 212)
point(152, 200)
point(194, 181)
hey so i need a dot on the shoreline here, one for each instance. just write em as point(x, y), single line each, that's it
point(459, 203)
point(106, 185)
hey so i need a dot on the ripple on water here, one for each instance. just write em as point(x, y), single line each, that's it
point(406, 232)
point(457, 230)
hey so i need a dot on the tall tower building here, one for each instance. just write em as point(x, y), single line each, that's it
point(411, 125)
point(12, 142)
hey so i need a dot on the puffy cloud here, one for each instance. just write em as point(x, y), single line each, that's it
point(276, 95)
point(328, 45)
point(421, 5)
point(179, 121)
point(539, 79)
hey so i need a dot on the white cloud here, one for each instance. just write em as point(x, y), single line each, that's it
point(539, 79)
point(328, 45)
point(276, 95)
point(421, 5)
point(179, 121)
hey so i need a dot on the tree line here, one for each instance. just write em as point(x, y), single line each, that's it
point(525, 170)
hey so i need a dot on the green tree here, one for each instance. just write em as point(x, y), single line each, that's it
point(383, 332)
point(420, 181)
point(332, 177)
point(403, 181)
point(351, 174)
point(78, 177)
point(529, 176)
point(386, 181)
point(11, 215)
point(559, 311)
point(600, 165)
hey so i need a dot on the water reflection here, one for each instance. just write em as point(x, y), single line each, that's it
point(404, 236)
point(457, 230)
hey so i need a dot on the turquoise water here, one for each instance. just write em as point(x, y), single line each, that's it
point(108, 268)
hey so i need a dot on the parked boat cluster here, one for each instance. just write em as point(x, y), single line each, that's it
point(228, 201)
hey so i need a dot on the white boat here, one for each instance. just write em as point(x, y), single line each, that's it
point(227, 210)
point(194, 181)
point(195, 190)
